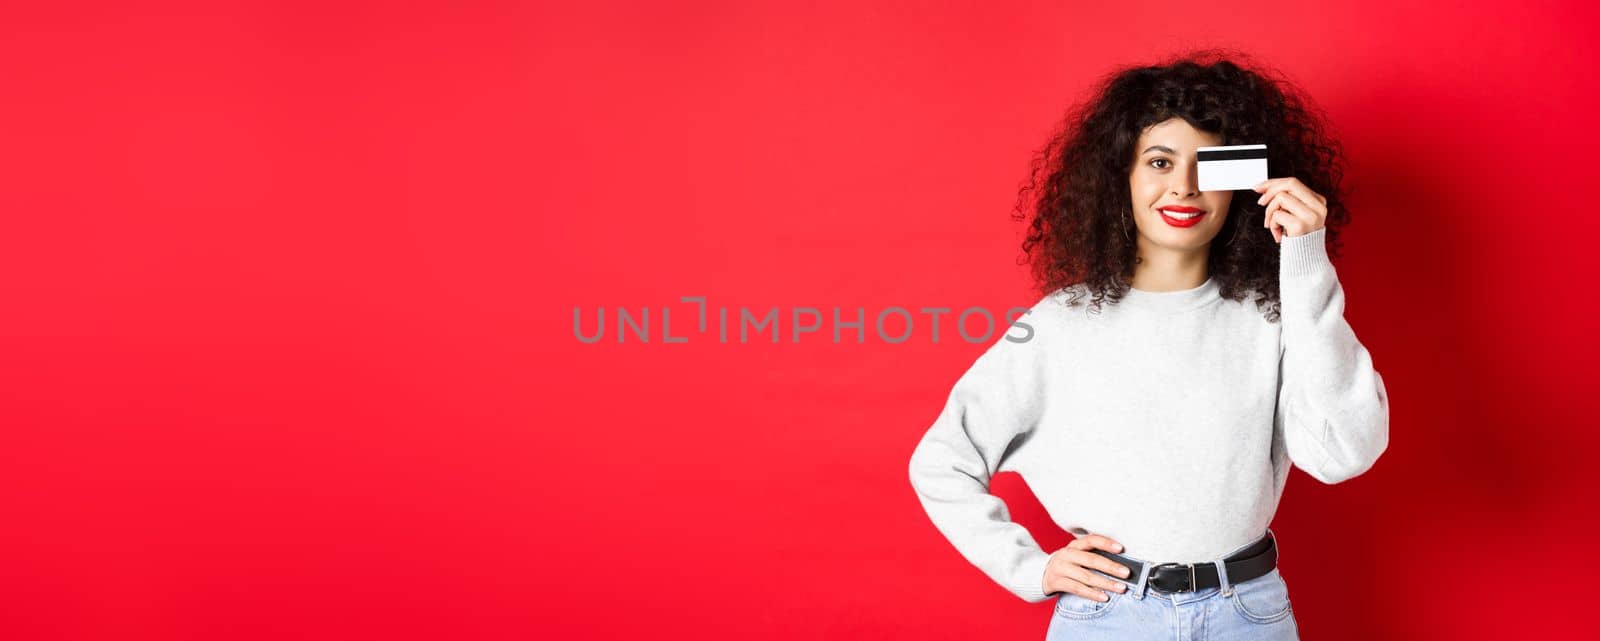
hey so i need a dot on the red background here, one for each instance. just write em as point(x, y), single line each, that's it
point(287, 329)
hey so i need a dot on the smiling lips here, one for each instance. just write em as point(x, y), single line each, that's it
point(1179, 216)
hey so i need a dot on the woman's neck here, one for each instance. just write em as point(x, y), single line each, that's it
point(1167, 271)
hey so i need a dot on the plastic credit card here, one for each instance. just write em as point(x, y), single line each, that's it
point(1231, 167)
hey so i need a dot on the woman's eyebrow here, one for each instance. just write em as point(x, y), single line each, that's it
point(1158, 148)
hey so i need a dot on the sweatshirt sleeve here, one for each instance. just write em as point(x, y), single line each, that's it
point(991, 411)
point(1332, 405)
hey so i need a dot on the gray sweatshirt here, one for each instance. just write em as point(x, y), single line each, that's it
point(1166, 422)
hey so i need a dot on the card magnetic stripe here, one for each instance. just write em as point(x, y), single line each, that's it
point(1232, 154)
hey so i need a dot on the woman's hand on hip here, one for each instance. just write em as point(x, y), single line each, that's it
point(1069, 568)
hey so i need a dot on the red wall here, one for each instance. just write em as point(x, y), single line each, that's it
point(287, 320)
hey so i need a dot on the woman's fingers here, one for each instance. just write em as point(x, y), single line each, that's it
point(1087, 577)
point(1293, 185)
point(1267, 222)
point(1087, 592)
point(1095, 541)
point(1088, 584)
point(1064, 576)
point(1294, 214)
point(1289, 197)
point(1088, 559)
point(1073, 568)
point(1094, 583)
point(1286, 225)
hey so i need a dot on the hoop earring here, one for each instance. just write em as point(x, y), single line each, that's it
point(1124, 221)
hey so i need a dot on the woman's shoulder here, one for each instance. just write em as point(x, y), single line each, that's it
point(1058, 310)
point(1071, 301)
point(1063, 296)
point(1056, 301)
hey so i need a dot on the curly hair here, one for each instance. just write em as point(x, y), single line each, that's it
point(1077, 192)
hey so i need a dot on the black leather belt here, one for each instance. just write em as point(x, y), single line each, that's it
point(1246, 564)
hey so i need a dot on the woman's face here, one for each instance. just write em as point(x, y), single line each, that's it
point(1164, 183)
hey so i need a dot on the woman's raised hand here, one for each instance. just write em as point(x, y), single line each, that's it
point(1068, 569)
point(1293, 209)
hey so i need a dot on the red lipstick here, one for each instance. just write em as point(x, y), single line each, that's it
point(1184, 220)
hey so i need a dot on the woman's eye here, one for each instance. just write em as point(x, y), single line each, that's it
point(1156, 160)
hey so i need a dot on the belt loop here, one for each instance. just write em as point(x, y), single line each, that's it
point(1144, 578)
point(1222, 574)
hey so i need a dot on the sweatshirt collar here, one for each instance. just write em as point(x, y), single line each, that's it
point(1174, 301)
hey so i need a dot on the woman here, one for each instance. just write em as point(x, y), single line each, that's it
point(1155, 411)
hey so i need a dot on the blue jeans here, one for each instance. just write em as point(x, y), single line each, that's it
point(1257, 609)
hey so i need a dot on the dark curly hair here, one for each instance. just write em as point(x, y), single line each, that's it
point(1079, 180)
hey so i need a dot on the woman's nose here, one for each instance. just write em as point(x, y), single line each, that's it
point(1187, 184)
